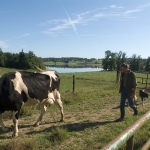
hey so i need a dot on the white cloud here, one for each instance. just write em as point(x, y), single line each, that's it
point(71, 22)
point(3, 44)
point(58, 26)
point(132, 11)
point(98, 15)
point(116, 7)
point(26, 34)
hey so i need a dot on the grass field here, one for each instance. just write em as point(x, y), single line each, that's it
point(97, 63)
point(89, 117)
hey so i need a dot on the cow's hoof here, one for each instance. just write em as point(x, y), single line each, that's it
point(36, 125)
point(14, 135)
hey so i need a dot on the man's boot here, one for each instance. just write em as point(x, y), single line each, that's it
point(135, 111)
point(122, 113)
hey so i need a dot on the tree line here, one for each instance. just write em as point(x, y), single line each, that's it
point(113, 61)
point(20, 60)
point(67, 59)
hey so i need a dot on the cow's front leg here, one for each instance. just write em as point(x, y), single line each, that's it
point(142, 101)
point(43, 110)
point(15, 121)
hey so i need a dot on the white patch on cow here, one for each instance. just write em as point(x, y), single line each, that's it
point(35, 102)
point(51, 74)
point(50, 100)
point(19, 84)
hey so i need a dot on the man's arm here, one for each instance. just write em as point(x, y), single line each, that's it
point(134, 86)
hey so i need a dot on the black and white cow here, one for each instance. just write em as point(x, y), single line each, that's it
point(19, 89)
point(143, 95)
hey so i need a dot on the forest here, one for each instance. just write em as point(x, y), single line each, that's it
point(21, 60)
point(113, 61)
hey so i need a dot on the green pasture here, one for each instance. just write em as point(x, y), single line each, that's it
point(6, 70)
point(97, 63)
point(89, 117)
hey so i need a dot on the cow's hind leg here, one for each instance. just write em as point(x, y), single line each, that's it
point(43, 110)
point(59, 103)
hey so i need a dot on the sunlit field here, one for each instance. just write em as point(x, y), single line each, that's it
point(89, 111)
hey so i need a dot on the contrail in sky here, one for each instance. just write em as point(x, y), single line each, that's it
point(70, 21)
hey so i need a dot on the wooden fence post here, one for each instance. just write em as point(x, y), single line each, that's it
point(73, 84)
point(130, 143)
point(146, 145)
point(117, 76)
point(147, 80)
point(142, 80)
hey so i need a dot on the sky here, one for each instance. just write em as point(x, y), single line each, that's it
point(75, 28)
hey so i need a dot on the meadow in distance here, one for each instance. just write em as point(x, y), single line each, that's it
point(89, 116)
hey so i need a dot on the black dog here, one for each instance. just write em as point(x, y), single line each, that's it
point(143, 95)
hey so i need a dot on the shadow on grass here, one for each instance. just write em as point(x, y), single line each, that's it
point(2, 133)
point(126, 105)
point(71, 127)
point(116, 107)
point(74, 127)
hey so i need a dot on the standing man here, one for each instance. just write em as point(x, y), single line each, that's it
point(127, 89)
